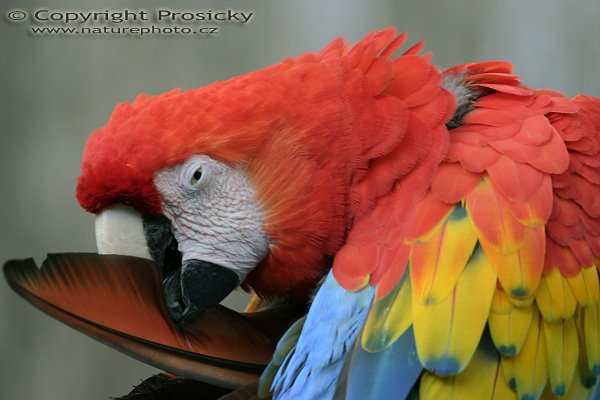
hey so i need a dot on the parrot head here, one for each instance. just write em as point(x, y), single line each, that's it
point(259, 180)
point(230, 184)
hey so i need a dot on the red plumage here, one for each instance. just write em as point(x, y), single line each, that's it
point(324, 137)
point(474, 213)
point(348, 147)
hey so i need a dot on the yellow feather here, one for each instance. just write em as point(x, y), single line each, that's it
point(555, 298)
point(523, 301)
point(585, 286)
point(519, 271)
point(562, 348)
point(507, 365)
point(447, 333)
point(389, 317)
point(481, 380)
point(483, 203)
point(578, 389)
point(437, 263)
point(425, 237)
point(531, 369)
point(501, 304)
point(508, 324)
point(591, 323)
point(583, 366)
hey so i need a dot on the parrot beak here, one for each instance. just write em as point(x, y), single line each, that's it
point(191, 287)
point(120, 230)
point(196, 287)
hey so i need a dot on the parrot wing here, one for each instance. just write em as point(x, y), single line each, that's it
point(310, 356)
point(490, 260)
point(119, 301)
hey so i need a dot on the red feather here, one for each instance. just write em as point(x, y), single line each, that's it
point(563, 234)
point(581, 250)
point(452, 182)
point(428, 213)
point(562, 257)
point(516, 181)
point(537, 210)
point(554, 159)
point(535, 131)
point(505, 88)
point(504, 101)
point(519, 152)
point(474, 159)
point(492, 218)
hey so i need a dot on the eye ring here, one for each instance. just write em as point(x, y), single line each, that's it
point(196, 173)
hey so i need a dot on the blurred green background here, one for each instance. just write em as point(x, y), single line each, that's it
point(55, 90)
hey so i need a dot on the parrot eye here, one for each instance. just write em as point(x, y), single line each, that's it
point(196, 176)
point(196, 173)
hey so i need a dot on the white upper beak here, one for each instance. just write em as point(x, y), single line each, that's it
point(120, 230)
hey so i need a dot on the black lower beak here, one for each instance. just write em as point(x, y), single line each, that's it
point(196, 287)
point(191, 287)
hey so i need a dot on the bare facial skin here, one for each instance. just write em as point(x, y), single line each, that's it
point(213, 213)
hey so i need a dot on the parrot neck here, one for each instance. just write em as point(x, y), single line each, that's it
point(345, 158)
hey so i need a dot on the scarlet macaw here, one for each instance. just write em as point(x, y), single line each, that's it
point(452, 217)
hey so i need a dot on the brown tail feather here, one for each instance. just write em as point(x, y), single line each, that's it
point(118, 300)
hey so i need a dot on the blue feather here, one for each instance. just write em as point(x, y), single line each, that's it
point(388, 374)
point(597, 394)
point(312, 369)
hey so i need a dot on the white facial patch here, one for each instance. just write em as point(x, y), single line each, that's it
point(214, 214)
